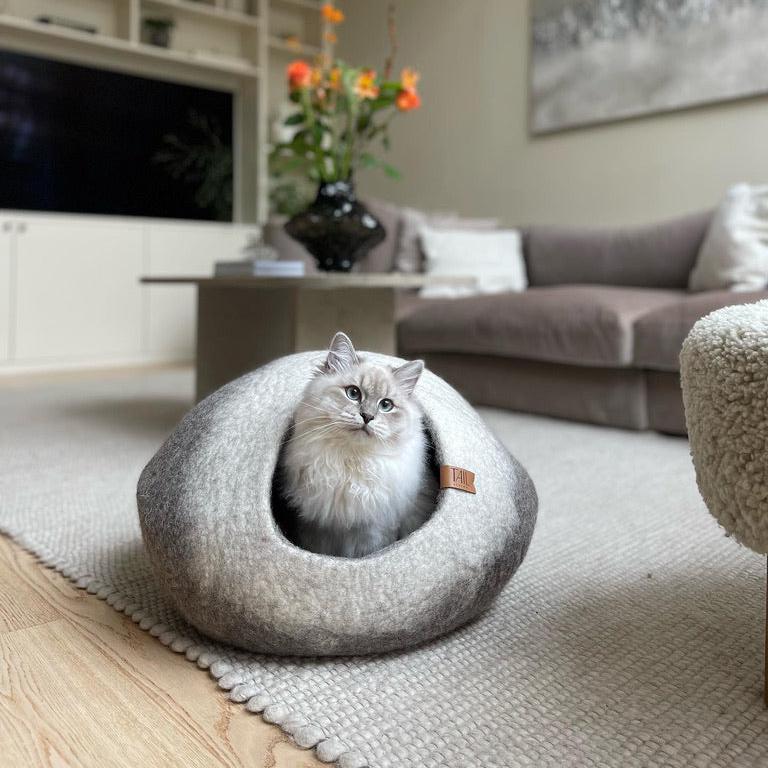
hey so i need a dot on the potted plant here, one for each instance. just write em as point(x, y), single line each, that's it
point(342, 116)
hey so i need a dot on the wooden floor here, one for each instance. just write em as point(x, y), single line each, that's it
point(82, 685)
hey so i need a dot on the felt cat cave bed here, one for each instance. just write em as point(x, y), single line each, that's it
point(207, 505)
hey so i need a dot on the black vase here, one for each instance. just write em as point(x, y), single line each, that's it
point(336, 229)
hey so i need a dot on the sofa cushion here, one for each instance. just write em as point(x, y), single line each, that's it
point(579, 324)
point(734, 254)
point(497, 261)
point(382, 257)
point(655, 256)
point(409, 257)
point(659, 334)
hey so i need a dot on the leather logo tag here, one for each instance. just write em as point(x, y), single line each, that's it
point(456, 477)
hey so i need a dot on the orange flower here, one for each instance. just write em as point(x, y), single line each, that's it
point(334, 79)
point(366, 87)
point(299, 74)
point(316, 77)
point(330, 37)
point(406, 100)
point(409, 78)
point(332, 14)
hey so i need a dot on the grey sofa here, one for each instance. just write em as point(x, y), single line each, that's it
point(595, 338)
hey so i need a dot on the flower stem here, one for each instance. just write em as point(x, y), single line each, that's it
point(346, 163)
point(309, 114)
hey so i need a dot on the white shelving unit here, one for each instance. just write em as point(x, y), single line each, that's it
point(69, 284)
point(238, 45)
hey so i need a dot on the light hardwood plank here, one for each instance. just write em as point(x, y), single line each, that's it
point(89, 688)
point(22, 600)
point(50, 671)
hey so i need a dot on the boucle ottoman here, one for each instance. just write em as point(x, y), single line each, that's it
point(724, 374)
point(208, 504)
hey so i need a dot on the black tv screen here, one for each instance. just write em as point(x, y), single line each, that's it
point(82, 140)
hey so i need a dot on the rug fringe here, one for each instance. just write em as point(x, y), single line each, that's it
point(305, 735)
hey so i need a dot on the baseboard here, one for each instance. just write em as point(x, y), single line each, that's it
point(44, 367)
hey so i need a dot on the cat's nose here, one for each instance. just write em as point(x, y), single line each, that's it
point(366, 417)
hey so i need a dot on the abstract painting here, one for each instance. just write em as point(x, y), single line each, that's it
point(600, 60)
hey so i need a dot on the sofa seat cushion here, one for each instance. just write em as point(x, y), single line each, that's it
point(578, 324)
point(659, 334)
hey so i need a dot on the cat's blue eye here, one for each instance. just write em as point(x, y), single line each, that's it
point(386, 405)
point(354, 393)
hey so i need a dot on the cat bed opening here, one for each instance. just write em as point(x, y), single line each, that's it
point(286, 517)
point(205, 505)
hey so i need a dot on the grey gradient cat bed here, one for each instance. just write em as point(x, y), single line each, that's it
point(212, 522)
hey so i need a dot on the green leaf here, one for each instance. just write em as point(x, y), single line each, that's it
point(296, 119)
point(381, 102)
point(363, 122)
point(368, 161)
point(291, 164)
point(391, 171)
point(389, 90)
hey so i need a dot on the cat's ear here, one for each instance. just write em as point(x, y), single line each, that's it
point(407, 375)
point(341, 354)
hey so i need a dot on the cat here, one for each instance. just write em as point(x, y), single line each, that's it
point(356, 467)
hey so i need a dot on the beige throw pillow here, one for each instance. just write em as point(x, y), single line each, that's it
point(409, 257)
point(494, 258)
point(734, 253)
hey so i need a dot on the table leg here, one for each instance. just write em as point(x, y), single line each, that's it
point(367, 316)
point(240, 328)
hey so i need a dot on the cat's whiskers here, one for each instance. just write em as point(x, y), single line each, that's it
point(308, 420)
point(311, 405)
point(313, 433)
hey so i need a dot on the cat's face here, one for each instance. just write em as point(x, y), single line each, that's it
point(359, 401)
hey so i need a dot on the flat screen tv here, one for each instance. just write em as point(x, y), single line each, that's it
point(82, 140)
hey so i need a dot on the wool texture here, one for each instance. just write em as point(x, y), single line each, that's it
point(629, 638)
point(205, 506)
point(724, 374)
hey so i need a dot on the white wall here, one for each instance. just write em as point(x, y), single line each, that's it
point(468, 148)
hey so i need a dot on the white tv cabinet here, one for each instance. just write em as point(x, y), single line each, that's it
point(70, 294)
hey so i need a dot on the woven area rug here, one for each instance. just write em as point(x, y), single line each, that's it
point(631, 636)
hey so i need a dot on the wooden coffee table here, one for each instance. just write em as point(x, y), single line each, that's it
point(245, 322)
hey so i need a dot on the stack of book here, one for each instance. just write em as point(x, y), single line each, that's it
point(259, 268)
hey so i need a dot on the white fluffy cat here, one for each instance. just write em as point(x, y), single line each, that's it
point(355, 469)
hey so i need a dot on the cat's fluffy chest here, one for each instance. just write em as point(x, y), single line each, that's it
point(347, 489)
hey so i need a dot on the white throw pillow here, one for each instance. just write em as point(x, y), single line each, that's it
point(408, 257)
point(734, 253)
point(494, 258)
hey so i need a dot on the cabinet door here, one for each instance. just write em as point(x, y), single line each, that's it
point(77, 292)
point(6, 247)
point(184, 250)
